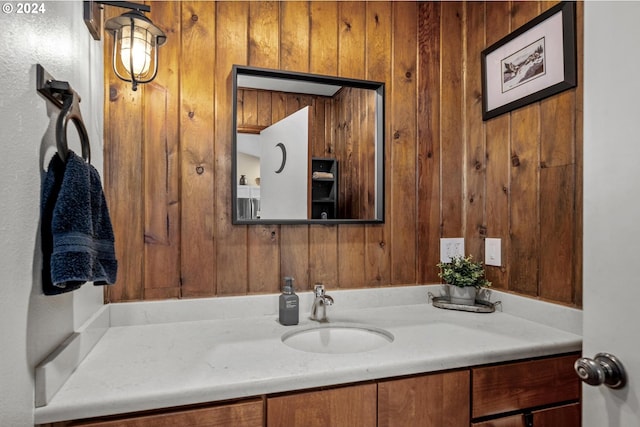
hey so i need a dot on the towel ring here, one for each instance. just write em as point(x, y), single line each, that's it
point(64, 97)
point(71, 111)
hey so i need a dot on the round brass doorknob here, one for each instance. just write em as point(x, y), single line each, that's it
point(604, 368)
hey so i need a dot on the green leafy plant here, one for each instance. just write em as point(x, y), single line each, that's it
point(463, 272)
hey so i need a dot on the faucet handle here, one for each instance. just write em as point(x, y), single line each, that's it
point(318, 289)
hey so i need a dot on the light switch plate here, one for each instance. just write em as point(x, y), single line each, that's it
point(451, 247)
point(493, 252)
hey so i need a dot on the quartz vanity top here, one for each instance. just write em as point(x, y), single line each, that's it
point(169, 353)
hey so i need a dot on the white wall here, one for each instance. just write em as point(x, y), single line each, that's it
point(611, 205)
point(33, 325)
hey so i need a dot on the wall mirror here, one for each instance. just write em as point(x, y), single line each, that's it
point(306, 148)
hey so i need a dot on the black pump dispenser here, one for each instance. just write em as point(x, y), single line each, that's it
point(289, 307)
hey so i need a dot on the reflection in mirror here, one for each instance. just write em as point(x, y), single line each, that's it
point(307, 148)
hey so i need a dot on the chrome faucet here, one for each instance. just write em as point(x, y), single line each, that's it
point(320, 302)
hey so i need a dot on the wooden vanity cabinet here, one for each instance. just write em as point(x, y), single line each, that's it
point(435, 400)
point(536, 393)
point(242, 414)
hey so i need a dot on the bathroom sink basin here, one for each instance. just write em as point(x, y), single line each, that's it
point(337, 338)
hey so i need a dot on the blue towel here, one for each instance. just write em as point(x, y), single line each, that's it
point(77, 236)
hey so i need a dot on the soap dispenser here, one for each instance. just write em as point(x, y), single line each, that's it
point(289, 307)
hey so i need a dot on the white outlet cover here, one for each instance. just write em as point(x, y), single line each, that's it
point(451, 247)
point(492, 252)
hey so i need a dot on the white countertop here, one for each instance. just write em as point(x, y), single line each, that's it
point(166, 354)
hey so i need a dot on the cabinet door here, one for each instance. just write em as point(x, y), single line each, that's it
point(246, 414)
point(340, 407)
point(437, 400)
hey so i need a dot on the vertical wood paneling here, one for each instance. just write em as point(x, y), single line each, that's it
point(263, 243)
point(498, 130)
point(161, 166)
point(524, 212)
point(557, 239)
point(475, 151)
point(198, 258)
point(231, 241)
point(123, 180)
point(294, 36)
point(351, 63)
point(294, 56)
point(525, 158)
point(448, 173)
point(378, 54)
point(162, 224)
point(451, 126)
point(323, 57)
point(429, 148)
point(402, 118)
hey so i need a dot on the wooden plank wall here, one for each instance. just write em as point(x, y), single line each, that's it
point(448, 173)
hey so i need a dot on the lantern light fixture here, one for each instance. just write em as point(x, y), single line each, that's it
point(135, 43)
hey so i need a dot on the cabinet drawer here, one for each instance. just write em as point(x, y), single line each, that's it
point(565, 416)
point(521, 385)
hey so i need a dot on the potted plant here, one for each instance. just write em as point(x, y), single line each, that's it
point(463, 277)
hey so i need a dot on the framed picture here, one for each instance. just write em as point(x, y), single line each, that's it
point(533, 62)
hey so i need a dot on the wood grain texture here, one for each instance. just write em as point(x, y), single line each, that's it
point(475, 164)
point(340, 407)
point(231, 241)
point(429, 144)
point(525, 158)
point(451, 136)
point(448, 174)
point(378, 53)
point(161, 182)
point(162, 167)
point(437, 400)
point(323, 59)
point(402, 118)
point(244, 414)
point(198, 260)
point(294, 56)
point(522, 385)
point(565, 416)
point(498, 131)
point(557, 233)
point(351, 63)
point(123, 175)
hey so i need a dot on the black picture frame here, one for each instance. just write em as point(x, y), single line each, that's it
point(531, 63)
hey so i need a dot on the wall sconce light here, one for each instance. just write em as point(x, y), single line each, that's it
point(135, 42)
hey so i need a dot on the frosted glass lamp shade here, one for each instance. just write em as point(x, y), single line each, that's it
point(135, 47)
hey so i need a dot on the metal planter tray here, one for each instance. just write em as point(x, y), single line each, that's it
point(479, 306)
